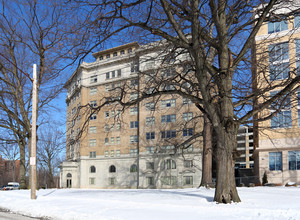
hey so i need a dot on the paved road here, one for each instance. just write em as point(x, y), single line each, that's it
point(4, 215)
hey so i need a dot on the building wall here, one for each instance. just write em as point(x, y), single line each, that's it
point(9, 171)
point(285, 139)
point(114, 146)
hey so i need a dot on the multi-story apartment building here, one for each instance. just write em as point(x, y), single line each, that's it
point(245, 148)
point(9, 171)
point(277, 140)
point(136, 145)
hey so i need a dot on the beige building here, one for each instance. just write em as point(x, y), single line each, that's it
point(125, 146)
point(277, 140)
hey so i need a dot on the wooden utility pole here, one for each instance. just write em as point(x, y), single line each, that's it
point(33, 136)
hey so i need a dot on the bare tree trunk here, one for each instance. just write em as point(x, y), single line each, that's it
point(226, 191)
point(206, 179)
point(22, 166)
point(51, 178)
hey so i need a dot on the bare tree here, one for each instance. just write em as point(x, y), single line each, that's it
point(51, 145)
point(217, 36)
point(32, 32)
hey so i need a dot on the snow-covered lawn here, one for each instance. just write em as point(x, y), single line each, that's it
point(257, 203)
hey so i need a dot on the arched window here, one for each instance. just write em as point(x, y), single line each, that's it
point(169, 164)
point(92, 169)
point(112, 169)
point(133, 168)
point(69, 175)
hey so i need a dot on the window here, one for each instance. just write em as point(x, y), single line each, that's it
point(93, 129)
point(107, 75)
point(73, 110)
point(93, 79)
point(279, 61)
point(106, 128)
point(133, 138)
point(187, 163)
point(112, 140)
point(119, 73)
point(150, 90)
point(188, 132)
point(150, 106)
point(169, 164)
point(112, 181)
point(168, 148)
point(149, 150)
point(118, 140)
point(106, 114)
point(297, 20)
point(186, 101)
point(93, 103)
point(283, 118)
point(133, 110)
point(106, 153)
point(133, 152)
point(93, 143)
point(187, 180)
point(275, 160)
point(187, 116)
point(168, 134)
point(93, 117)
point(297, 45)
point(93, 154)
point(101, 58)
point(169, 180)
point(298, 95)
point(92, 169)
point(168, 118)
point(112, 169)
point(106, 141)
point(294, 160)
point(108, 56)
point(168, 103)
point(150, 135)
point(168, 72)
point(92, 181)
point(150, 180)
point(112, 113)
point(113, 74)
point(150, 121)
point(168, 87)
point(150, 165)
point(93, 91)
point(188, 148)
point(279, 71)
point(130, 50)
point(277, 26)
point(134, 124)
point(133, 96)
point(112, 153)
point(118, 153)
point(118, 126)
point(133, 168)
point(107, 87)
point(122, 52)
point(115, 54)
point(134, 82)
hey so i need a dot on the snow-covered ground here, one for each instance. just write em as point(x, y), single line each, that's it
point(257, 203)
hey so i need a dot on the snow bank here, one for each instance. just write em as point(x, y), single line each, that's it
point(66, 204)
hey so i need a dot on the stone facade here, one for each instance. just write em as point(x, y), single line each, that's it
point(277, 140)
point(131, 146)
